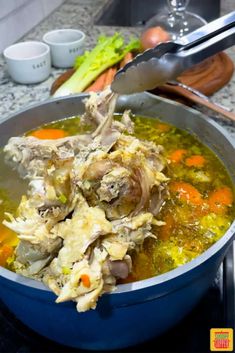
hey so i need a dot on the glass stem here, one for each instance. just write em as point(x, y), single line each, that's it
point(176, 17)
point(178, 5)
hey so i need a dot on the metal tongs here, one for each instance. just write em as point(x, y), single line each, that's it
point(168, 60)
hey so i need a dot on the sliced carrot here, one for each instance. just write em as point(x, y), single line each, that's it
point(48, 134)
point(98, 84)
point(166, 230)
point(195, 161)
point(177, 155)
point(7, 236)
point(5, 252)
point(110, 76)
point(186, 192)
point(86, 281)
point(128, 57)
point(163, 127)
point(220, 199)
point(4, 233)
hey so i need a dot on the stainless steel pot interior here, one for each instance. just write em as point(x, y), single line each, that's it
point(209, 132)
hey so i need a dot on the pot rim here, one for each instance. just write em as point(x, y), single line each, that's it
point(156, 280)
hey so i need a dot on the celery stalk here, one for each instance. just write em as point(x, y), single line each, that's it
point(108, 52)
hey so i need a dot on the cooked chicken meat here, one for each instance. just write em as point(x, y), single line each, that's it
point(91, 201)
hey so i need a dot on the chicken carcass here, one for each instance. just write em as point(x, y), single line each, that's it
point(91, 200)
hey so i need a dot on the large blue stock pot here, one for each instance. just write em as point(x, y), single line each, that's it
point(137, 311)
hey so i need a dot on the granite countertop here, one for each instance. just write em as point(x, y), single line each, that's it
point(80, 14)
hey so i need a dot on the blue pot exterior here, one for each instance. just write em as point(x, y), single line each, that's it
point(121, 319)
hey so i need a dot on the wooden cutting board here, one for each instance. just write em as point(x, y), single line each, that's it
point(208, 77)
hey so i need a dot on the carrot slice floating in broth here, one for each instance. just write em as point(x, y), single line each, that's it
point(220, 199)
point(186, 192)
point(177, 155)
point(163, 127)
point(5, 252)
point(48, 134)
point(4, 233)
point(197, 161)
point(166, 230)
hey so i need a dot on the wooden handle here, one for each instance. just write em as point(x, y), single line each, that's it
point(193, 97)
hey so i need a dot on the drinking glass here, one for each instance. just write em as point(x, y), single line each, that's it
point(177, 22)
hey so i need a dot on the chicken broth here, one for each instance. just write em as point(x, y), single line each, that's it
point(197, 209)
point(10, 194)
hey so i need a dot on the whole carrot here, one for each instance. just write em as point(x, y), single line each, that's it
point(107, 76)
point(128, 57)
point(110, 76)
point(98, 84)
